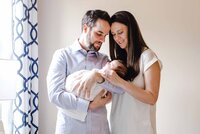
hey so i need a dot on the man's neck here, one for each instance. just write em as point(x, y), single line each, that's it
point(81, 42)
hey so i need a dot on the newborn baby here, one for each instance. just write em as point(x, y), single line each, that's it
point(115, 65)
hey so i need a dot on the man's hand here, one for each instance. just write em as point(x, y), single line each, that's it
point(100, 100)
point(85, 82)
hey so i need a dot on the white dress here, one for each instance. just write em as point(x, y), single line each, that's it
point(129, 115)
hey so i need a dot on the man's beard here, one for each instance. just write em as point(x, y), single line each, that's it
point(91, 46)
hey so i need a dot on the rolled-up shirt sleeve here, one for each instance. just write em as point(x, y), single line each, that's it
point(56, 85)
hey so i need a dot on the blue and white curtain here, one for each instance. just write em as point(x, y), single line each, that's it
point(25, 48)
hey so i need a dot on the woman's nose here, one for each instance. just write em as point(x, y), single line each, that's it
point(116, 38)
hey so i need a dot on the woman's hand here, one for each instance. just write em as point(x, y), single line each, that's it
point(112, 77)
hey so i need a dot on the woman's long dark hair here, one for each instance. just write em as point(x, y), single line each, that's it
point(136, 43)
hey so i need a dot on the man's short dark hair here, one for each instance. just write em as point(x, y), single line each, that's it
point(91, 16)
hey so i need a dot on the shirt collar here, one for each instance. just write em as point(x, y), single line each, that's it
point(76, 46)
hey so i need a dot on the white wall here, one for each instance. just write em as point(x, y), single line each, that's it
point(171, 28)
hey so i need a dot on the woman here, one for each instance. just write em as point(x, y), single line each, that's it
point(133, 112)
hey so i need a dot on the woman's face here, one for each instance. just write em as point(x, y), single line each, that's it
point(119, 32)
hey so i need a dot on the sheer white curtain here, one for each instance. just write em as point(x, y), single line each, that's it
point(25, 48)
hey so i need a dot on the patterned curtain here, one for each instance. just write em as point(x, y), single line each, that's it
point(25, 48)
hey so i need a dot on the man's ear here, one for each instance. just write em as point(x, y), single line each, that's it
point(85, 28)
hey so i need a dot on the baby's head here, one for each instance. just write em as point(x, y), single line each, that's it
point(118, 66)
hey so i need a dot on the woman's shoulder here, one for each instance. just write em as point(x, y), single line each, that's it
point(148, 53)
point(149, 57)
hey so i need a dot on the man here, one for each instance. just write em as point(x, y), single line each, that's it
point(82, 54)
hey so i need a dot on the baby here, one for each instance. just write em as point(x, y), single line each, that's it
point(115, 65)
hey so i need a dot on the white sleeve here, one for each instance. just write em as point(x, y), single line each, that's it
point(149, 58)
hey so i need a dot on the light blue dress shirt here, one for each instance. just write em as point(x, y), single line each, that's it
point(64, 62)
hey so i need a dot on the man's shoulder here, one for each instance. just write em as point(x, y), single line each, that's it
point(62, 50)
point(62, 53)
point(66, 49)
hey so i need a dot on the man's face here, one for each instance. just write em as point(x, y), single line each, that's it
point(97, 34)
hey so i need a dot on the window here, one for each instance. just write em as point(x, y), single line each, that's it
point(6, 29)
point(5, 55)
point(6, 115)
